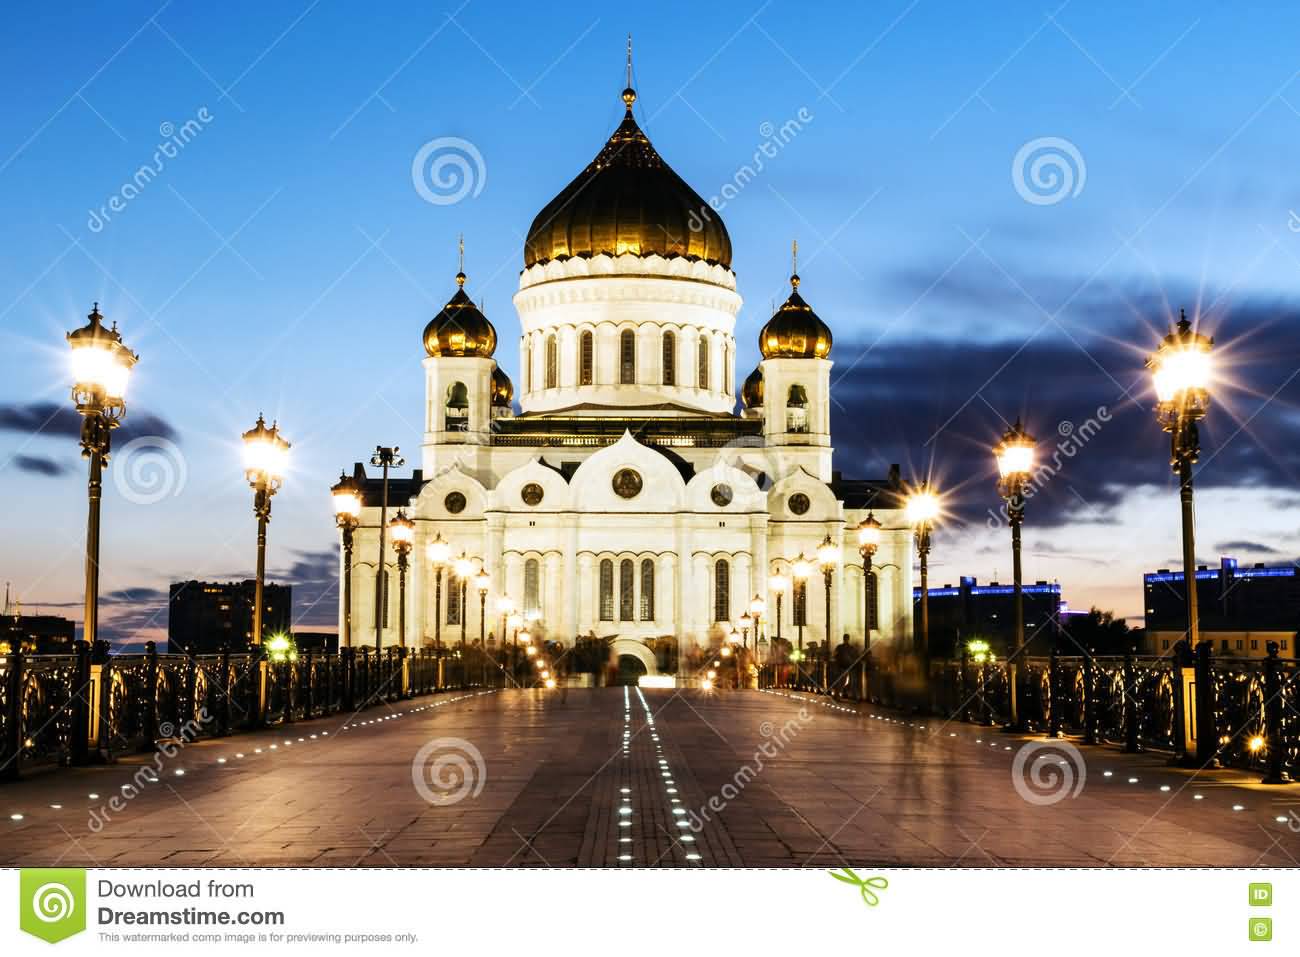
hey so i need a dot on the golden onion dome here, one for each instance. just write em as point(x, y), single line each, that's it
point(503, 390)
point(460, 329)
point(628, 200)
point(751, 393)
point(795, 332)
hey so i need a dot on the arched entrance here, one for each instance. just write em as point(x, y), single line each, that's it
point(641, 659)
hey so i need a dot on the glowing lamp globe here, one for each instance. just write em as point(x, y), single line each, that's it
point(347, 499)
point(438, 552)
point(1015, 453)
point(922, 507)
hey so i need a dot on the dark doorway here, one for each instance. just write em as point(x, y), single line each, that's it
point(630, 669)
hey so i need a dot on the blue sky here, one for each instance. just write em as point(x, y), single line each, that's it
point(284, 261)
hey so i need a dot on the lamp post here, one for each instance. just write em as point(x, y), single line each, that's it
point(464, 569)
point(756, 608)
point(385, 457)
point(437, 552)
point(828, 553)
point(869, 535)
point(347, 515)
point(265, 451)
point(101, 366)
point(922, 509)
point(800, 571)
point(482, 582)
point(1181, 369)
point(1015, 458)
point(403, 531)
point(779, 584)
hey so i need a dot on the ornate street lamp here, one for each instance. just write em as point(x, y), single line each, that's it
point(922, 510)
point(482, 582)
point(1015, 457)
point(265, 454)
point(756, 609)
point(779, 585)
point(347, 515)
point(101, 367)
point(869, 536)
point(828, 553)
point(1182, 370)
point(386, 458)
point(438, 552)
point(403, 531)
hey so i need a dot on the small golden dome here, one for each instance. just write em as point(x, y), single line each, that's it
point(751, 393)
point(460, 329)
point(503, 390)
point(795, 332)
point(628, 200)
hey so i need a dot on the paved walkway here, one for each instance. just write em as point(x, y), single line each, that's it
point(610, 777)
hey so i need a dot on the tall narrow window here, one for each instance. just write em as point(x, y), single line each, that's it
point(453, 600)
point(727, 372)
point(528, 365)
point(532, 587)
point(552, 363)
point(385, 597)
point(670, 359)
point(800, 609)
point(457, 407)
point(626, 590)
point(606, 590)
point(721, 590)
point(703, 373)
point(627, 357)
point(873, 607)
point(586, 359)
point(647, 589)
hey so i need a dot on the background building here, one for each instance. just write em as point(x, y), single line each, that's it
point(1241, 609)
point(970, 610)
point(34, 634)
point(205, 617)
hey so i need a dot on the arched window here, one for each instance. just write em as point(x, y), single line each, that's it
point(627, 357)
point(670, 359)
point(532, 587)
point(647, 589)
point(528, 365)
point(586, 359)
point(799, 607)
point(606, 590)
point(457, 407)
point(626, 590)
point(721, 590)
point(453, 600)
point(873, 607)
point(796, 410)
point(703, 373)
point(727, 374)
point(552, 363)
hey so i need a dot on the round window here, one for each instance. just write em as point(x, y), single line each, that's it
point(531, 494)
point(627, 483)
point(799, 503)
point(721, 495)
point(454, 502)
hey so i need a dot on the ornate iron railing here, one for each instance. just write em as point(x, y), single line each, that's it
point(75, 709)
point(1240, 712)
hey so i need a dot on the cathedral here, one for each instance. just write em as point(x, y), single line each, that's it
point(625, 495)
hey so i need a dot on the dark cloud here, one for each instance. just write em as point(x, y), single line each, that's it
point(314, 578)
point(56, 420)
point(1246, 547)
point(40, 465)
point(937, 407)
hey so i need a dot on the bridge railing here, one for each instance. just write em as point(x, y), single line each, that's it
point(1239, 712)
point(87, 707)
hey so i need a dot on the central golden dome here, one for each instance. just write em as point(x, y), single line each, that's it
point(628, 200)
